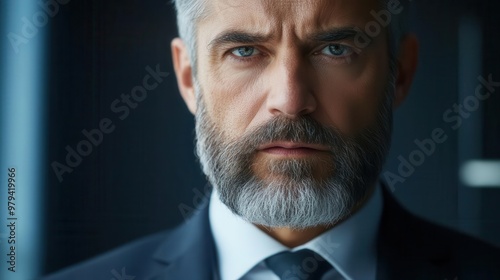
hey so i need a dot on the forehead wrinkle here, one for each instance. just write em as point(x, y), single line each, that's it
point(297, 19)
point(285, 8)
point(229, 13)
point(290, 20)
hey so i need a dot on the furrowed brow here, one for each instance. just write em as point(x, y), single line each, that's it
point(236, 37)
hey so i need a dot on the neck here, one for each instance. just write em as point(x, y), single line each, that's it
point(292, 238)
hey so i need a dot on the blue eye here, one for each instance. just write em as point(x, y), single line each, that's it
point(245, 51)
point(337, 50)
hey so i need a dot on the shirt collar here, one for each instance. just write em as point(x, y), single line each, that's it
point(350, 246)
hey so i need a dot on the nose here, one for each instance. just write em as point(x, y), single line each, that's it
point(291, 91)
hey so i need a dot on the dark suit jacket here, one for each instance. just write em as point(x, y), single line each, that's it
point(408, 248)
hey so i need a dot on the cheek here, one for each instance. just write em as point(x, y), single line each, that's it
point(233, 99)
point(351, 99)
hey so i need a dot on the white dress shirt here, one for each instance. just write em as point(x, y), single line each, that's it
point(350, 247)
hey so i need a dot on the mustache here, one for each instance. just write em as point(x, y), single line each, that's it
point(304, 129)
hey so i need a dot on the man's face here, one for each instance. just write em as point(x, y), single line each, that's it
point(291, 114)
point(290, 72)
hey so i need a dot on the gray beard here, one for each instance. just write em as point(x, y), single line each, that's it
point(291, 196)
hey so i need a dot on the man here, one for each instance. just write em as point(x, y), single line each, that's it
point(293, 103)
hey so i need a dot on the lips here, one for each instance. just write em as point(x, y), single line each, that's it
point(291, 148)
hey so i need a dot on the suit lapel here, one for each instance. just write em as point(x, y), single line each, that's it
point(406, 248)
point(189, 252)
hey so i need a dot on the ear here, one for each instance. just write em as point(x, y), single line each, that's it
point(407, 66)
point(183, 72)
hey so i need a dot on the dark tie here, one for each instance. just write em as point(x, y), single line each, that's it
point(303, 264)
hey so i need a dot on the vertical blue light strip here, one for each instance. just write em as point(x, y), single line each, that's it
point(470, 133)
point(22, 134)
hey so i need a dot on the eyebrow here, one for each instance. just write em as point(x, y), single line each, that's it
point(240, 37)
point(237, 37)
point(336, 34)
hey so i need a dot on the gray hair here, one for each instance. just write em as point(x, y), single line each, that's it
point(189, 13)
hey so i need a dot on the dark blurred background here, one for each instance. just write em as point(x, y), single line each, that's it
point(67, 77)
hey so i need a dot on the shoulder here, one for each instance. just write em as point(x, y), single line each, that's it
point(414, 243)
point(171, 253)
point(465, 249)
point(465, 256)
point(128, 259)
